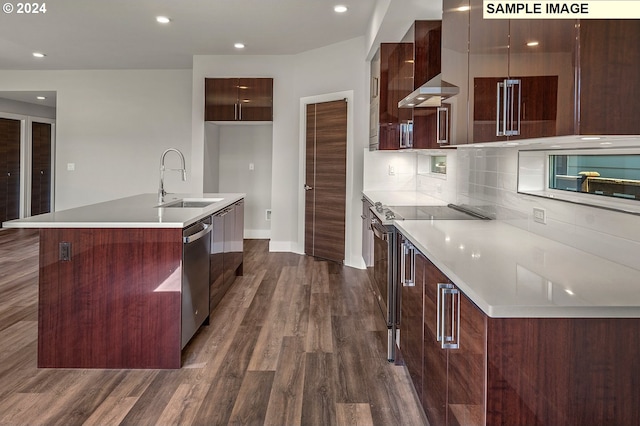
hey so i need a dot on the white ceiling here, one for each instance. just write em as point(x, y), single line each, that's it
point(123, 34)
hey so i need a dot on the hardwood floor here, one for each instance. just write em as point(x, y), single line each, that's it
point(296, 341)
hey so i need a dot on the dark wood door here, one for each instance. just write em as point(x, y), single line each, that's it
point(9, 169)
point(326, 171)
point(41, 171)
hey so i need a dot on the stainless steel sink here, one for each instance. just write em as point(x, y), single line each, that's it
point(192, 202)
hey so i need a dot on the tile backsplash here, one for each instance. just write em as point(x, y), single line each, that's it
point(487, 179)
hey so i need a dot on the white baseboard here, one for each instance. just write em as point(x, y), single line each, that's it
point(257, 234)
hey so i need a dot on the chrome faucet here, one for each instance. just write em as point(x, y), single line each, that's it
point(161, 191)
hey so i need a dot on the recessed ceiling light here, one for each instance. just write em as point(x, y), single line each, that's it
point(340, 8)
point(533, 43)
point(40, 98)
point(163, 19)
point(39, 55)
point(239, 45)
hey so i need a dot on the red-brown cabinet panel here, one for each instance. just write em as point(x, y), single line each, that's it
point(238, 99)
point(116, 303)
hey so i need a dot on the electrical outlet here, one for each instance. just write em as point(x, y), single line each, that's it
point(251, 166)
point(539, 215)
point(392, 170)
point(267, 214)
point(65, 251)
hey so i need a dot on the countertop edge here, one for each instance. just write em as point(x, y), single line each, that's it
point(192, 214)
point(518, 311)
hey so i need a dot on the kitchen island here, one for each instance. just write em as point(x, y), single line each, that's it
point(503, 326)
point(111, 280)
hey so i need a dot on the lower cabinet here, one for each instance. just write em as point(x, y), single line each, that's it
point(227, 247)
point(470, 369)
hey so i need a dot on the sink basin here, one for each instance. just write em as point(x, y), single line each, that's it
point(192, 202)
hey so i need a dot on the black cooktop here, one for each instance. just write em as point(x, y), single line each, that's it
point(449, 212)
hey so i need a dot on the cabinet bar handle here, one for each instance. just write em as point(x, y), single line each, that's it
point(449, 339)
point(408, 248)
point(500, 101)
point(442, 112)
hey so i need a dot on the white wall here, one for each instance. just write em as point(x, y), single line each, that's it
point(335, 68)
point(211, 158)
point(241, 146)
point(114, 125)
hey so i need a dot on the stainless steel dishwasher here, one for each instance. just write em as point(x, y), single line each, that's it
point(196, 246)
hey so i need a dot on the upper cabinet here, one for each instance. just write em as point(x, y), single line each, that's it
point(238, 99)
point(521, 77)
point(431, 125)
point(455, 65)
point(609, 83)
point(391, 80)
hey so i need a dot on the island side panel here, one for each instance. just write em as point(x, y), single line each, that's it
point(115, 303)
point(580, 371)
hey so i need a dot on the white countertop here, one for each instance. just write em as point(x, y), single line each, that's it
point(509, 272)
point(402, 198)
point(138, 211)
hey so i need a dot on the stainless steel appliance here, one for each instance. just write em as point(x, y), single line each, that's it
point(196, 246)
point(387, 256)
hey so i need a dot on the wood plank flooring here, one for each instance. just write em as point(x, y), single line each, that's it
point(296, 341)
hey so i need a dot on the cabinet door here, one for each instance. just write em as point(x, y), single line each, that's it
point(488, 58)
point(467, 368)
point(434, 399)
point(221, 99)
point(609, 83)
point(396, 71)
point(255, 99)
point(455, 65)
point(411, 321)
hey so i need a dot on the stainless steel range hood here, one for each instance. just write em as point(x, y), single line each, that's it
point(430, 94)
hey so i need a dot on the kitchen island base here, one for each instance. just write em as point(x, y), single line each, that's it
point(110, 298)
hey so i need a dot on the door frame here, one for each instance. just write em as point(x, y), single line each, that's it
point(349, 207)
point(26, 156)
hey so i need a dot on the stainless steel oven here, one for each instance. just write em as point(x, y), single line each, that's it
point(386, 255)
point(384, 273)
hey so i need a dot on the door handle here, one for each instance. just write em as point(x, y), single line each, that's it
point(308, 188)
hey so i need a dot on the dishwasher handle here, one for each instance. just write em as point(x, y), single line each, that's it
point(206, 228)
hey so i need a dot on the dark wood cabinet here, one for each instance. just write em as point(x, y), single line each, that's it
point(411, 319)
point(431, 125)
point(9, 169)
point(455, 66)
point(521, 77)
point(391, 80)
point(238, 99)
point(478, 370)
point(609, 83)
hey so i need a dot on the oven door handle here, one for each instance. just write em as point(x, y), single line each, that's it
point(378, 230)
